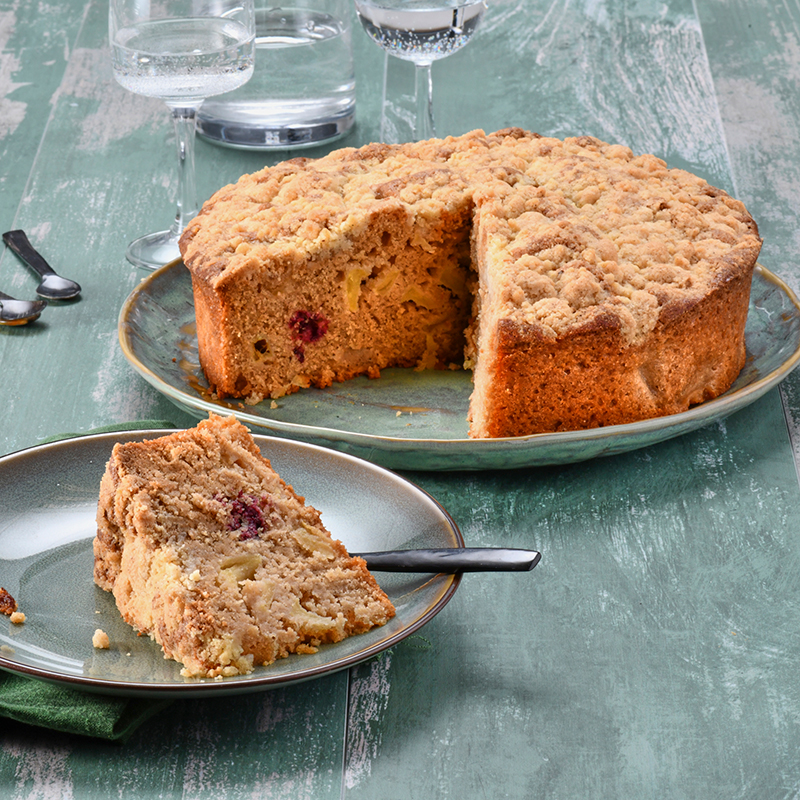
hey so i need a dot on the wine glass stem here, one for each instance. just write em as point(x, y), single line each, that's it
point(184, 123)
point(423, 90)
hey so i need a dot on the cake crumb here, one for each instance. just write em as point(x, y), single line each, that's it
point(8, 605)
point(17, 618)
point(100, 640)
point(273, 405)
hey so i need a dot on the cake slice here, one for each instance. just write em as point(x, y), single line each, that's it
point(209, 552)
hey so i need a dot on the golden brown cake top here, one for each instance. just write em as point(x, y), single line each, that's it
point(186, 482)
point(303, 207)
point(592, 229)
point(569, 224)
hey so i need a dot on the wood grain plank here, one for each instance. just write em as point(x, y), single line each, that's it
point(103, 172)
point(756, 79)
point(273, 744)
point(34, 50)
point(627, 72)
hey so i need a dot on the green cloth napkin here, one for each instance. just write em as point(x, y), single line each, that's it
point(50, 705)
point(61, 708)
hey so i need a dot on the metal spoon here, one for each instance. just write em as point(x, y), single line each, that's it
point(53, 286)
point(455, 559)
point(19, 312)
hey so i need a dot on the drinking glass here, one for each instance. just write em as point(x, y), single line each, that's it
point(180, 51)
point(422, 31)
point(303, 91)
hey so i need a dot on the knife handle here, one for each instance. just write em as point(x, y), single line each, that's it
point(455, 559)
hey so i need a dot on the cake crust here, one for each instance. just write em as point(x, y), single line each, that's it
point(600, 380)
point(499, 252)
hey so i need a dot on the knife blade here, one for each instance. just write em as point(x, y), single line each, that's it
point(454, 559)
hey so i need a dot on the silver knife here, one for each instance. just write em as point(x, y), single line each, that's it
point(455, 559)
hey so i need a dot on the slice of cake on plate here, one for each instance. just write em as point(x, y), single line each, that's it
point(209, 552)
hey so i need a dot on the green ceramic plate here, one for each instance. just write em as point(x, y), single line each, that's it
point(418, 420)
point(48, 497)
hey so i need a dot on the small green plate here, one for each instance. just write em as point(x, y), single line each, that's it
point(418, 420)
point(48, 497)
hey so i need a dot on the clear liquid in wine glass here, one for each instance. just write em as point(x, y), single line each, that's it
point(183, 61)
point(422, 31)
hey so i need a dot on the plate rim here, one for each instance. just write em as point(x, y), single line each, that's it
point(714, 409)
point(236, 684)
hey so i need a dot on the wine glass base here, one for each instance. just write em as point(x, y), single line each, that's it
point(153, 250)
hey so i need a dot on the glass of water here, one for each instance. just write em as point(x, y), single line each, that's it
point(180, 51)
point(422, 31)
point(303, 90)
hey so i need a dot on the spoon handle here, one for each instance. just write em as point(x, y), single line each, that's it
point(19, 243)
point(456, 559)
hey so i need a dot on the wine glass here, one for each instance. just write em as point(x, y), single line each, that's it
point(422, 31)
point(181, 51)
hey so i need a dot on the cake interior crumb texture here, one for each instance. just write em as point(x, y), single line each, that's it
point(209, 552)
point(582, 284)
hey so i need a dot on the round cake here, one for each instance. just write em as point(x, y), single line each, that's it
point(583, 285)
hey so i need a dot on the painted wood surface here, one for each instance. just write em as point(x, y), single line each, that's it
point(654, 651)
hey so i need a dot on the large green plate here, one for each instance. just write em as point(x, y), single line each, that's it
point(418, 420)
point(48, 497)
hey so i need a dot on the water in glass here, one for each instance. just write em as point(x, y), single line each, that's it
point(303, 88)
point(182, 60)
point(420, 31)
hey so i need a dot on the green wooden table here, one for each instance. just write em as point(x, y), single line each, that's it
point(655, 651)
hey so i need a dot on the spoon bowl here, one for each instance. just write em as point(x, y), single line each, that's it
point(19, 312)
point(53, 286)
